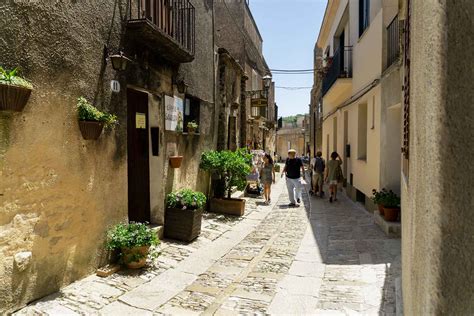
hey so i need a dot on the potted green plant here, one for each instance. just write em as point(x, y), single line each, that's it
point(14, 91)
point(91, 120)
point(229, 170)
point(377, 197)
point(133, 240)
point(192, 127)
point(391, 206)
point(183, 214)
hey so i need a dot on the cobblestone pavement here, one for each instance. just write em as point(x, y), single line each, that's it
point(319, 258)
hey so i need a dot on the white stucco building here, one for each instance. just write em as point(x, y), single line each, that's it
point(361, 93)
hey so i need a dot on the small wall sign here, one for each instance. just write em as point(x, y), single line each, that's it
point(115, 86)
point(140, 120)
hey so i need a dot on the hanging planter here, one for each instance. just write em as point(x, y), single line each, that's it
point(91, 130)
point(175, 161)
point(14, 91)
point(91, 120)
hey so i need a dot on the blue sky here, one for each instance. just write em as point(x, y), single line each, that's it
point(289, 29)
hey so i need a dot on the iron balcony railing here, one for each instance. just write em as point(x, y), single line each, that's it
point(393, 42)
point(259, 97)
point(340, 67)
point(175, 18)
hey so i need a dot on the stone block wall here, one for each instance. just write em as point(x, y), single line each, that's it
point(58, 192)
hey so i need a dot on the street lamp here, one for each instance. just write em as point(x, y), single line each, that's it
point(267, 81)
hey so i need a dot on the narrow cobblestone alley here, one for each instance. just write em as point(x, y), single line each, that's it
point(319, 258)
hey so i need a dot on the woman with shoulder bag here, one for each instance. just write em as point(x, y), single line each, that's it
point(333, 175)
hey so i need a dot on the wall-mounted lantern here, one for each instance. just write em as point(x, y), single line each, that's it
point(181, 85)
point(267, 81)
point(119, 61)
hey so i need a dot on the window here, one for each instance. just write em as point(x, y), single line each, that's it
point(364, 13)
point(191, 112)
point(362, 133)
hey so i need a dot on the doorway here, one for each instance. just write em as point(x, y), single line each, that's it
point(138, 157)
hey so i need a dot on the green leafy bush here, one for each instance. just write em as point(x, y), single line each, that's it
point(390, 200)
point(88, 112)
point(11, 78)
point(378, 195)
point(131, 235)
point(231, 166)
point(186, 199)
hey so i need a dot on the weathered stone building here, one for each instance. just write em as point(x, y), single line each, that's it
point(237, 32)
point(293, 135)
point(316, 105)
point(230, 100)
point(58, 192)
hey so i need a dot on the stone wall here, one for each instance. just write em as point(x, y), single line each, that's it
point(58, 192)
point(437, 199)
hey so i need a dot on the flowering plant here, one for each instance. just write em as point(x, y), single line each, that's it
point(186, 199)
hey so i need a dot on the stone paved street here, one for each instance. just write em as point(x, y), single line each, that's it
point(319, 258)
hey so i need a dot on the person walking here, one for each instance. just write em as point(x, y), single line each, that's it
point(294, 171)
point(332, 176)
point(317, 166)
point(267, 176)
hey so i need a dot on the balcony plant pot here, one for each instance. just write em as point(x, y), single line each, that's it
point(175, 161)
point(13, 98)
point(381, 211)
point(141, 253)
point(228, 206)
point(391, 214)
point(91, 130)
point(184, 225)
point(191, 131)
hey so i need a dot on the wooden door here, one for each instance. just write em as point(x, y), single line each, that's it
point(138, 157)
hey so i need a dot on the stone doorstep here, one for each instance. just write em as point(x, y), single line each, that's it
point(391, 229)
point(158, 229)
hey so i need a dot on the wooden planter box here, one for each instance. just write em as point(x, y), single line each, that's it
point(184, 225)
point(91, 130)
point(228, 206)
point(13, 98)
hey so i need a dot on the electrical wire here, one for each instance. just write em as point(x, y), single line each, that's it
point(293, 88)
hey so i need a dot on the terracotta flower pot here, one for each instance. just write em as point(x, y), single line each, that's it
point(191, 131)
point(129, 253)
point(91, 129)
point(175, 161)
point(391, 214)
point(380, 207)
point(13, 98)
point(228, 206)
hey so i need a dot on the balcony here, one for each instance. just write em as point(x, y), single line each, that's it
point(393, 42)
point(339, 70)
point(259, 112)
point(259, 98)
point(166, 27)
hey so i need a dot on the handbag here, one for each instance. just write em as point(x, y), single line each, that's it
point(339, 174)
